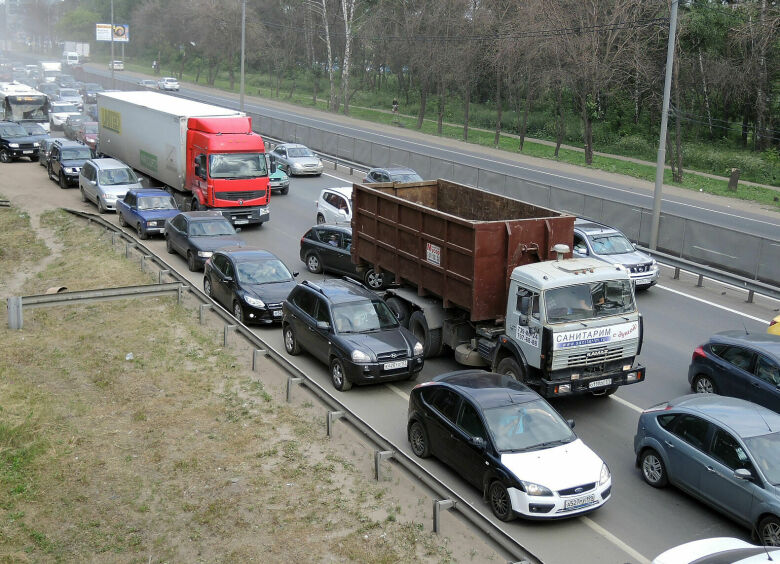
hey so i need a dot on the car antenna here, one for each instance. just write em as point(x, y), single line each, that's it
point(763, 545)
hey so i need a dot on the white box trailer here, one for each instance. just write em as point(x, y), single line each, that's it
point(148, 131)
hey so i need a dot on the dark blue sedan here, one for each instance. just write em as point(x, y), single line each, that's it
point(195, 235)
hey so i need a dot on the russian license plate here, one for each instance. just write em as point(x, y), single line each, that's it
point(241, 221)
point(395, 365)
point(579, 501)
point(27, 152)
point(599, 383)
point(277, 313)
point(641, 281)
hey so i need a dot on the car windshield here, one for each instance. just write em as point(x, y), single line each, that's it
point(169, 80)
point(91, 128)
point(156, 203)
point(211, 228)
point(91, 87)
point(267, 271)
point(237, 165)
point(34, 129)
point(533, 425)
point(365, 316)
point(299, 152)
point(68, 92)
point(405, 177)
point(117, 176)
point(76, 153)
point(589, 301)
point(613, 244)
point(63, 108)
point(766, 452)
point(12, 130)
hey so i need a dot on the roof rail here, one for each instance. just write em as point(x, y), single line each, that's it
point(313, 286)
point(353, 281)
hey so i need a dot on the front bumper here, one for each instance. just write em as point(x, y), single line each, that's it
point(592, 384)
point(279, 185)
point(372, 372)
point(302, 171)
point(645, 279)
point(555, 506)
point(23, 152)
point(155, 226)
point(271, 313)
point(246, 216)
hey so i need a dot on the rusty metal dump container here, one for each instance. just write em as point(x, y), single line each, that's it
point(451, 241)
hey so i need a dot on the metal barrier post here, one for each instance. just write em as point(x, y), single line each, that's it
point(144, 258)
point(750, 296)
point(700, 283)
point(180, 294)
point(128, 246)
point(290, 381)
point(113, 238)
point(161, 274)
point(203, 308)
point(332, 416)
point(379, 456)
point(228, 329)
point(676, 273)
point(438, 505)
point(15, 321)
point(255, 355)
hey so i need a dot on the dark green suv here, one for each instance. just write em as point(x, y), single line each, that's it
point(65, 161)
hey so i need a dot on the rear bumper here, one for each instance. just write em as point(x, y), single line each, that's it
point(593, 384)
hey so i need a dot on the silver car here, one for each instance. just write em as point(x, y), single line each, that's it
point(607, 244)
point(168, 83)
point(72, 96)
point(296, 159)
point(104, 181)
point(723, 451)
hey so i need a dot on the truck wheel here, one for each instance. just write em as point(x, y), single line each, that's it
point(400, 309)
point(142, 234)
point(194, 205)
point(430, 338)
point(510, 367)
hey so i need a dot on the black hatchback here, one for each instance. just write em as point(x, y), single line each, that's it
point(251, 283)
point(326, 247)
point(351, 329)
point(738, 364)
point(195, 235)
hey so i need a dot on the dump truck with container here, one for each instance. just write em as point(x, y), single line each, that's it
point(475, 275)
point(206, 156)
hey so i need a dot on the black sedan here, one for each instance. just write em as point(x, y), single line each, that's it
point(738, 364)
point(327, 247)
point(196, 235)
point(251, 283)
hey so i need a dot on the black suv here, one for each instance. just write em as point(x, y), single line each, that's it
point(65, 161)
point(351, 329)
point(15, 142)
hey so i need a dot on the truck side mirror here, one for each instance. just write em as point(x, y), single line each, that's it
point(271, 163)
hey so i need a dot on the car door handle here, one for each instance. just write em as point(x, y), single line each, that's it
point(755, 384)
point(667, 443)
point(711, 469)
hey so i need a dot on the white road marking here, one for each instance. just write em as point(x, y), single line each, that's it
point(614, 540)
point(713, 252)
point(628, 404)
point(709, 303)
point(398, 391)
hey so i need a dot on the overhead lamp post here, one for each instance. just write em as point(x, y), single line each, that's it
point(113, 82)
point(243, 42)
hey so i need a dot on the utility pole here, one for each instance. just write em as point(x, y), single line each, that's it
point(243, 42)
point(659, 165)
point(113, 82)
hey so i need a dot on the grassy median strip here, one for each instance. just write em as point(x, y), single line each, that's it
point(129, 434)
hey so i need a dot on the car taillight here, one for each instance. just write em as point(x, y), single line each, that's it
point(698, 352)
point(773, 322)
point(664, 406)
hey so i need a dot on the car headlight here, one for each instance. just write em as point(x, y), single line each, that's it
point(207, 254)
point(360, 356)
point(604, 474)
point(297, 166)
point(14, 145)
point(254, 302)
point(71, 170)
point(535, 489)
point(36, 144)
point(418, 348)
point(653, 263)
point(319, 163)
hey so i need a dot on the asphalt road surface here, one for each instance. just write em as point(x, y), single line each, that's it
point(639, 522)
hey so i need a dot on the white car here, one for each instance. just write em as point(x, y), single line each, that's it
point(116, 65)
point(720, 549)
point(60, 111)
point(335, 205)
point(168, 83)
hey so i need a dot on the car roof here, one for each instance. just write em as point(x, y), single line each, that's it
point(590, 226)
point(488, 389)
point(247, 254)
point(149, 192)
point(341, 290)
point(203, 215)
point(765, 342)
point(335, 227)
point(108, 164)
point(292, 146)
point(744, 418)
point(343, 190)
point(64, 142)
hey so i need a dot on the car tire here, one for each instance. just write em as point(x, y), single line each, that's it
point(430, 338)
point(5, 156)
point(238, 311)
point(418, 439)
point(313, 263)
point(191, 263)
point(338, 376)
point(169, 246)
point(769, 531)
point(142, 234)
point(374, 280)
point(284, 191)
point(100, 206)
point(121, 219)
point(653, 468)
point(500, 502)
point(83, 194)
point(400, 309)
point(511, 367)
point(50, 171)
point(207, 289)
point(290, 342)
point(34, 159)
point(61, 179)
point(320, 219)
point(703, 384)
point(194, 205)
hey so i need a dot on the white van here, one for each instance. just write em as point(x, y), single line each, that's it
point(70, 58)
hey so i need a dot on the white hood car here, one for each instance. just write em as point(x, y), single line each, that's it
point(59, 112)
point(168, 83)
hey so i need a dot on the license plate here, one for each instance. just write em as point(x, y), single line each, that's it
point(277, 313)
point(27, 152)
point(241, 221)
point(641, 281)
point(579, 501)
point(599, 383)
point(395, 365)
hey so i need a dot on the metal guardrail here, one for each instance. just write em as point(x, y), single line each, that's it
point(450, 499)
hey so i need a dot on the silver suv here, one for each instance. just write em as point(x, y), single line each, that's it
point(104, 181)
point(606, 243)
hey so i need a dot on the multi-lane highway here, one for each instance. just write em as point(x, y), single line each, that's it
point(639, 522)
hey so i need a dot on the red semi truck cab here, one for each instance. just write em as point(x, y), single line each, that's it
point(227, 169)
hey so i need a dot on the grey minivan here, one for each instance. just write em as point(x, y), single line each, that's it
point(723, 451)
point(104, 181)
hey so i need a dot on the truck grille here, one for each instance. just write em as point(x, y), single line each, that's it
point(235, 196)
point(595, 356)
point(388, 356)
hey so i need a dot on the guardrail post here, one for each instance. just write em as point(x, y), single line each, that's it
point(15, 312)
point(161, 274)
point(700, 282)
point(228, 329)
point(144, 258)
point(333, 416)
point(676, 273)
point(180, 294)
point(290, 381)
point(202, 311)
point(438, 505)
point(750, 296)
point(113, 238)
point(255, 355)
point(128, 246)
point(379, 456)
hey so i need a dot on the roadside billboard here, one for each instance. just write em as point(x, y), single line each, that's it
point(121, 32)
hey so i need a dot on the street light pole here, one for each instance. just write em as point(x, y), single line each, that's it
point(113, 82)
point(659, 165)
point(243, 41)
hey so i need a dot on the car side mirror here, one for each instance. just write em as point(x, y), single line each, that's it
point(227, 279)
point(478, 443)
point(743, 474)
point(324, 325)
point(342, 212)
point(571, 423)
point(295, 274)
